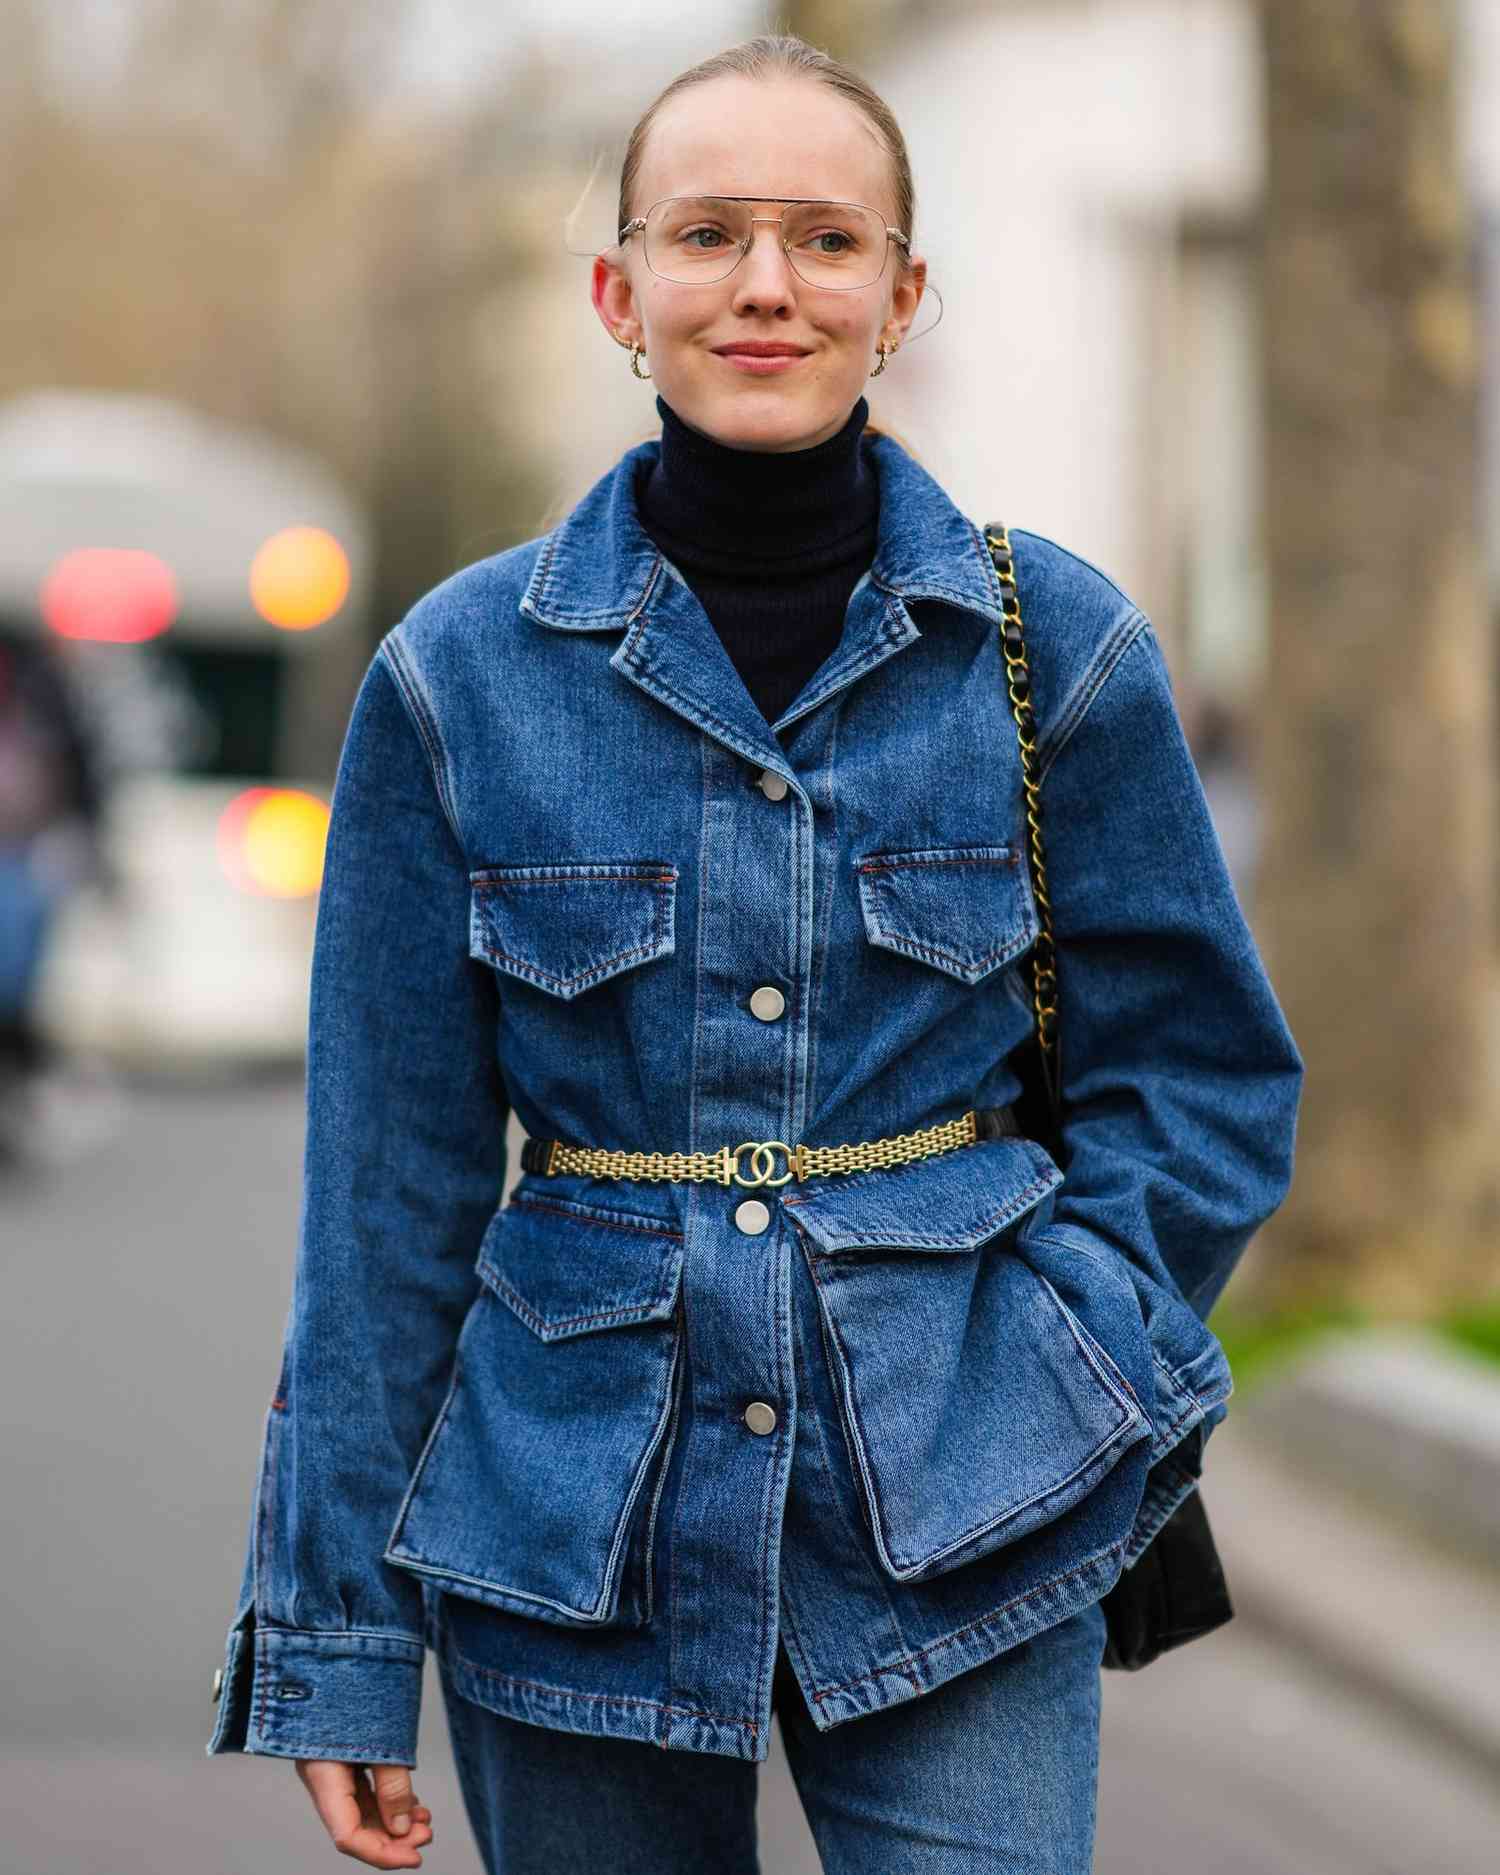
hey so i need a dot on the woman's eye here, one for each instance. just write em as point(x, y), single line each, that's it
point(833, 234)
point(692, 235)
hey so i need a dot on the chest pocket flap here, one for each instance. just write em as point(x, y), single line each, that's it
point(566, 927)
point(965, 910)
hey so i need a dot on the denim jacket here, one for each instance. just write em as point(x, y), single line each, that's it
point(601, 1442)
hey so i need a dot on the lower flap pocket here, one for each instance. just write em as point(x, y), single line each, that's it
point(976, 1403)
point(1175, 1362)
point(558, 1419)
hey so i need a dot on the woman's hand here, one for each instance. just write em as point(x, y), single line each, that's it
point(364, 1822)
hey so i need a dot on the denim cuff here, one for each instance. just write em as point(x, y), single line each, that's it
point(298, 1693)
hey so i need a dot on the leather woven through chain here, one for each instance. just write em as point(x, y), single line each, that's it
point(1018, 678)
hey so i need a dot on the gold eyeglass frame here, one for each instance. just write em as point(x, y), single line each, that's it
point(638, 223)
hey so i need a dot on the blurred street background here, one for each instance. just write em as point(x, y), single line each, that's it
point(295, 324)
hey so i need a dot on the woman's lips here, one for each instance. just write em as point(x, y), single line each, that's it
point(761, 365)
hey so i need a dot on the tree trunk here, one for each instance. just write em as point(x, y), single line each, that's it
point(1377, 883)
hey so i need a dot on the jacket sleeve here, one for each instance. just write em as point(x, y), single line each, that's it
point(1180, 1077)
point(404, 1165)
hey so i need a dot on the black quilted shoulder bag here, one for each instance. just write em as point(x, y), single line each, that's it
point(1175, 1591)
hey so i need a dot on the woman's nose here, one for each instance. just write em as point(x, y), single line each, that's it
point(765, 270)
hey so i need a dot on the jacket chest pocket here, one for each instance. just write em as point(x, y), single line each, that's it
point(964, 910)
point(569, 926)
point(538, 1485)
point(976, 1404)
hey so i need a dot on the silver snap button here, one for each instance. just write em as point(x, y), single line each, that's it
point(767, 1002)
point(218, 1681)
point(759, 1417)
point(752, 1216)
point(772, 785)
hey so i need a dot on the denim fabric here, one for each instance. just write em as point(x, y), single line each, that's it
point(565, 849)
point(28, 903)
point(996, 1774)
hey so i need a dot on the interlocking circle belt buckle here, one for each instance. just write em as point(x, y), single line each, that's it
point(762, 1162)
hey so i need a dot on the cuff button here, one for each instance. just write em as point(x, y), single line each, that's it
point(218, 1682)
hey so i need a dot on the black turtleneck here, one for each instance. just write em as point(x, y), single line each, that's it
point(772, 542)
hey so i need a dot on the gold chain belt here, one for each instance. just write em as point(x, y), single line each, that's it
point(556, 1156)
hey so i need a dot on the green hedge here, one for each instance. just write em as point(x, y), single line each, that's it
point(1259, 1343)
point(1476, 1328)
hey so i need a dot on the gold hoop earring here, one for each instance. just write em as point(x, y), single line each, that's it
point(637, 352)
point(885, 352)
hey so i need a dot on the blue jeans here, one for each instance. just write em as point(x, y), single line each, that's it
point(996, 1769)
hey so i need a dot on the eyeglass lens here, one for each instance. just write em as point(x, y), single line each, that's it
point(697, 239)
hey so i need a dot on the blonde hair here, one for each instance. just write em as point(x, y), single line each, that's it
point(784, 55)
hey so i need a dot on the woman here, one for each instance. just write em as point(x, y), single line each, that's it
point(51, 809)
point(693, 832)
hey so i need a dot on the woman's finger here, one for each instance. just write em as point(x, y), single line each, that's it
point(347, 1807)
point(393, 1796)
point(418, 1833)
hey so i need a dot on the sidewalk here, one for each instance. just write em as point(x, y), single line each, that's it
point(1356, 1506)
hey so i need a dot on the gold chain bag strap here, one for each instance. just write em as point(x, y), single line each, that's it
point(1044, 951)
point(1175, 1590)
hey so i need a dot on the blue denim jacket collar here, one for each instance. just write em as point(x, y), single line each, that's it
point(601, 571)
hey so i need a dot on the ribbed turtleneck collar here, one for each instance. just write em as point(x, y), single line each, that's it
point(758, 507)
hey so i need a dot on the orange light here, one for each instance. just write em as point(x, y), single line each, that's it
point(271, 841)
point(116, 594)
point(299, 578)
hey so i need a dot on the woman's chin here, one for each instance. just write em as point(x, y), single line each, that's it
point(760, 415)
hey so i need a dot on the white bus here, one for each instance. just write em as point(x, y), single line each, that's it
point(204, 589)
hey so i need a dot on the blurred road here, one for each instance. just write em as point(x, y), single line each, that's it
point(146, 1291)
